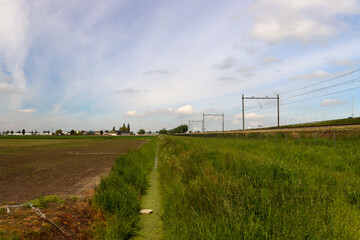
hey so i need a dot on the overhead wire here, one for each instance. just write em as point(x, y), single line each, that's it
point(351, 81)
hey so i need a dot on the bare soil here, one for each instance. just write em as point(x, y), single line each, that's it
point(77, 219)
point(64, 170)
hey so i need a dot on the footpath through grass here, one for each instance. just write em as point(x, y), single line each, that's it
point(215, 188)
point(151, 225)
point(119, 195)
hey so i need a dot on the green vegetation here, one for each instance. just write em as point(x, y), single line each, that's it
point(344, 121)
point(217, 188)
point(163, 131)
point(141, 131)
point(119, 194)
point(179, 129)
point(43, 202)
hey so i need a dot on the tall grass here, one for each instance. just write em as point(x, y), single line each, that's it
point(216, 188)
point(120, 193)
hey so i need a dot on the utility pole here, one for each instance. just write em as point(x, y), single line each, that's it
point(278, 107)
point(213, 115)
point(223, 124)
point(243, 112)
point(203, 123)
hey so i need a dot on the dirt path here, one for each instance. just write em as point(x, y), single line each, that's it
point(151, 225)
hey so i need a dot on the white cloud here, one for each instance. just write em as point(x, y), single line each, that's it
point(228, 63)
point(14, 39)
point(246, 69)
point(315, 75)
point(340, 62)
point(8, 88)
point(180, 112)
point(237, 116)
point(128, 90)
point(254, 116)
point(27, 111)
point(227, 79)
point(132, 113)
point(186, 110)
point(249, 116)
point(300, 20)
point(331, 102)
point(155, 72)
point(271, 60)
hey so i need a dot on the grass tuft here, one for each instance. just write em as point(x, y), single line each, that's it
point(42, 202)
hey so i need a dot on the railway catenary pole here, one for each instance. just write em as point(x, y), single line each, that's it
point(278, 107)
point(194, 121)
point(223, 125)
point(203, 123)
point(213, 115)
point(243, 112)
point(278, 110)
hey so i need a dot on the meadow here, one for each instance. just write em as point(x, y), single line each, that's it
point(260, 188)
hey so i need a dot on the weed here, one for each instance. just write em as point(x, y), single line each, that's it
point(42, 202)
point(74, 198)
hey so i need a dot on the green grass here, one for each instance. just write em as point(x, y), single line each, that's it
point(217, 188)
point(119, 194)
point(343, 121)
point(42, 202)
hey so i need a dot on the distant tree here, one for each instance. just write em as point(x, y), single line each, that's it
point(19, 132)
point(36, 132)
point(179, 129)
point(141, 131)
point(7, 132)
point(150, 132)
point(128, 127)
point(113, 128)
point(163, 131)
point(72, 132)
point(101, 132)
point(23, 132)
point(58, 132)
point(124, 128)
point(12, 132)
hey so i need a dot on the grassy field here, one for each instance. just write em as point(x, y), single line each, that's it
point(343, 121)
point(217, 188)
point(119, 195)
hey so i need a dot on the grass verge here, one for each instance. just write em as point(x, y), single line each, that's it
point(119, 194)
point(216, 188)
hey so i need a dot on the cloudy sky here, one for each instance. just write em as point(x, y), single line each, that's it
point(97, 64)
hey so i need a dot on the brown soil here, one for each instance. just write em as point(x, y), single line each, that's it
point(64, 171)
point(77, 219)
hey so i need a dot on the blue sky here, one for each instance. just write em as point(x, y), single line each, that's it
point(97, 64)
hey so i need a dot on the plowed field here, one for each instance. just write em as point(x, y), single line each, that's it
point(30, 168)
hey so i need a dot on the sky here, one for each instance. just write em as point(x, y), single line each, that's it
point(94, 65)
